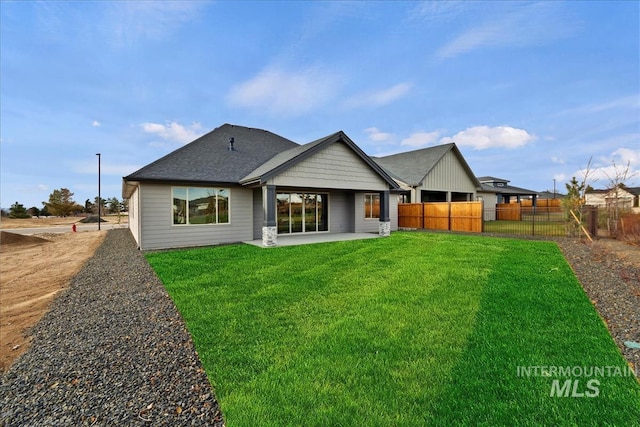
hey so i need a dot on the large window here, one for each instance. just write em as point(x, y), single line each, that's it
point(372, 205)
point(200, 205)
point(301, 212)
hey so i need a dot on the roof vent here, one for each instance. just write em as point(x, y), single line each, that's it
point(231, 148)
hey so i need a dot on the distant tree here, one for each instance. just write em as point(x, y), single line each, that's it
point(61, 203)
point(114, 205)
point(124, 206)
point(45, 211)
point(88, 206)
point(4, 213)
point(34, 211)
point(17, 210)
point(102, 204)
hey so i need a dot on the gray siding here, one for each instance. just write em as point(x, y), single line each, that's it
point(448, 175)
point(158, 231)
point(337, 166)
point(341, 212)
point(135, 215)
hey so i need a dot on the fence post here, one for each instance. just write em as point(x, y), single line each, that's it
point(533, 220)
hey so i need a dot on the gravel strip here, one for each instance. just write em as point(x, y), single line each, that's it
point(613, 287)
point(112, 350)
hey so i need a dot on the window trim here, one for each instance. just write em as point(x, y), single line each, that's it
point(372, 196)
point(217, 213)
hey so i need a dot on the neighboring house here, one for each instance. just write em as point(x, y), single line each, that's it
point(624, 198)
point(497, 190)
point(238, 184)
point(433, 174)
point(550, 195)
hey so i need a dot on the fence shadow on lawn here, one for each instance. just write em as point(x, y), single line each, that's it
point(540, 314)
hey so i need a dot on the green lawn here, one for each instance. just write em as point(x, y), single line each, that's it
point(411, 330)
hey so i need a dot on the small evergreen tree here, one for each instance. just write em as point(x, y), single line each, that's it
point(18, 210)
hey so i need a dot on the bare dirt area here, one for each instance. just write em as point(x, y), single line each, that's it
point(9, 223)
point(33, 270)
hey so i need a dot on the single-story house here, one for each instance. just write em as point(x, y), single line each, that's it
point(433, 174)
point(497, 190)
point(238, 184)
point(624, 198)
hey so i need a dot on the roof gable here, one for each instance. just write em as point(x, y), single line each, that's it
point(293, 156)
point(208, 158)
point(412, 167)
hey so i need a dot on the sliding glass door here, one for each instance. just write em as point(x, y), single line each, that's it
point(302, 212)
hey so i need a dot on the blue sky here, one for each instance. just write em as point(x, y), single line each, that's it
point(529, 91)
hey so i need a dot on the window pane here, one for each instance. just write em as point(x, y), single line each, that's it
point(283, 213)
point(310, 212)
point(202, 205)
point(179, 205)
point(323, 215)
point(296, 213)
point(223, 206)
point(372, 205)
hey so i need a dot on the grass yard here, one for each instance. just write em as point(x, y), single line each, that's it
point(412, 330)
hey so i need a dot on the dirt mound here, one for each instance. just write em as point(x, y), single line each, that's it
point(91, 219)
point(7, 238)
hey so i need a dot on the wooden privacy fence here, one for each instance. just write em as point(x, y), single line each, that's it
point(453, 216)
point(513, 211)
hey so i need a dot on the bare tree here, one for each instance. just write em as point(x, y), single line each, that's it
point(617, 182)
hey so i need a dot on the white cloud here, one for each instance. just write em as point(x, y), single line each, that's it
point(420, 139)
point(281, 92)
point(376, 135)
point(622, 165)
point(627, 155)
point(530, 25)
point(483, 137)
point(626, 102)
point(557, 160)
point(130, 21)
point(173, 131)
point(96, 124)
point(381, 97)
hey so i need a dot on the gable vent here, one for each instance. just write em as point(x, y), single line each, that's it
point(231, 147)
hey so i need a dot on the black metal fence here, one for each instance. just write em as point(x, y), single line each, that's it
point(534, 222)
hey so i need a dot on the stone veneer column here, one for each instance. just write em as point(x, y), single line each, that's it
point(384, 227)
point(269, 226)
point(269, 236)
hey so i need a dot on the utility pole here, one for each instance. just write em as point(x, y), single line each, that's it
point(99, 199)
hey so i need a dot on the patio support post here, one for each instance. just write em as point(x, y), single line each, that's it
point(269, 226)
point(384, 227)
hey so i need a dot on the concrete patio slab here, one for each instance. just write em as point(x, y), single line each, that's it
point(305, 239)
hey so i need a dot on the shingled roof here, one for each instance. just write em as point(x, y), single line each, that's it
point(413, 166)
point(208, 158)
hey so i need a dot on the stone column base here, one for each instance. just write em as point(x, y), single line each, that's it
point(269, 236)
point(384, 229)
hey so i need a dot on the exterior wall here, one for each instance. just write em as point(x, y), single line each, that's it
point(447, 176)
point(258, 214)
point(337, 166)
point(341, 212)
point(135, 215)
point(158, 232)
point(364, 225)
point(489, 205)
